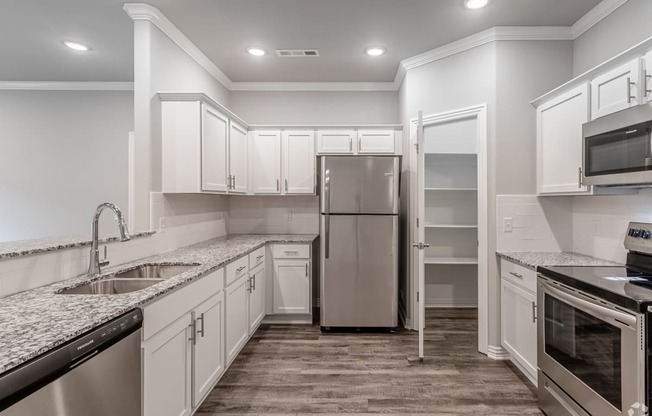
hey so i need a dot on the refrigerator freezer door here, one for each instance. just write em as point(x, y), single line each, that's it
point(359, 185)
point(359, 279)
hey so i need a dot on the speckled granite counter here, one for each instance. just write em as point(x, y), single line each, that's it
point(38, 320)
point(532, 259)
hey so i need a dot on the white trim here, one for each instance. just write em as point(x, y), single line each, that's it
point(142, 11)
point(497, 353)
point(448, 304)
point(499, 33)
point(594, 16)
point(313, 86)
point(66, 86)
point(480, 113)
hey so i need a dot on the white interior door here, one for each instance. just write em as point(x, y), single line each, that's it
point(421, 237)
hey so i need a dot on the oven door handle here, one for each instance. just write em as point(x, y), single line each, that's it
point(626, 319)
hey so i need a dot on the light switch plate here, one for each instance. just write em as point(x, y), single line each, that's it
point(508, 225)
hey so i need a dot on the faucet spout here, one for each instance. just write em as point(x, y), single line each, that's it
point(94, 265)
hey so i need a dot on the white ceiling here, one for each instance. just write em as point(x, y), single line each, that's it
point(31, 32)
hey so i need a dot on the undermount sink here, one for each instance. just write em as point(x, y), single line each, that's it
point(154, 271)
point(111, 287)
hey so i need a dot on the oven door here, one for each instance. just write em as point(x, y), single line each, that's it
point(590, 350)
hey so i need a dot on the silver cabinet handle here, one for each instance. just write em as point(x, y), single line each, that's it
point(193, 332)
point(233, 182)
point(286, 185)
point(306, 269)
point(520, 276)
point(201, 331)
point(239, 269)
point(359, 144)
point(260, 257)
point(278, 185)
point(646, 78)
point(253, 279)
point(579, 177)
point(350, 144)
point(534, 312)
point(291, 251)
point(250, 287)
point(629, 90)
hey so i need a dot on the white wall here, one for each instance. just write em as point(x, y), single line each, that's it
point(622, 29)
point(63, 153)
point(160, 66)
point(352, 107)
point(273, 215)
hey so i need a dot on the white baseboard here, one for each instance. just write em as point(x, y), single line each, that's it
point(450, 303)
point(497, 353)
point(288, 319)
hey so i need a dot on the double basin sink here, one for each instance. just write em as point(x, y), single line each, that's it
point(130, 280)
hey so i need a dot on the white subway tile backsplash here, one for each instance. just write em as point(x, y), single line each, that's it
point(274, 214)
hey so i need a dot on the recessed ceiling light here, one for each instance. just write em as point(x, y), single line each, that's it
point(76, 46)
point(475, 4)
point(374, 51)
point(255, 51)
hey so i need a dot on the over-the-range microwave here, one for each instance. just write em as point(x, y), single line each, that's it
point(617, 150)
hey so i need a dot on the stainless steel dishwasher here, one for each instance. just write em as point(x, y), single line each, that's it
point(97, 373)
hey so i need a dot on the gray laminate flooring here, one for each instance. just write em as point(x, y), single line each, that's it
point(293, 370)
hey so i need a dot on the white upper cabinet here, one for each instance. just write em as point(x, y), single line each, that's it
point(298, 162)
point(213, 153)
point(616, 89)
point(375, 141)
point(266, 159)
point(336, 141)
point(559, 142)
point(238, 159)
point(646, 78)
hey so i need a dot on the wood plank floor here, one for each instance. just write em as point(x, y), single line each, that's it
point(298, 370)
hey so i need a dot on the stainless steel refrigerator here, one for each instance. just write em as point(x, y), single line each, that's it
point(359, 203)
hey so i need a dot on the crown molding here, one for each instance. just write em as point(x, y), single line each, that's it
point(594, 16)
point(499, 33)
point(66, 86)
point(313, 86)
point(142, 11)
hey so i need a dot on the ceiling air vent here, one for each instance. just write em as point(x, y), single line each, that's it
point(297, 53)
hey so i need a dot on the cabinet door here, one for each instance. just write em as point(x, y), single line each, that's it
point(335, 141)
point(237, 317)
point(267, 162)
point(208, 351)
point(519, 328)
point(167, 370)
point(559, 142)
point(291, 287)
point(215, 130)
point(646, 78)
point(375, 141)
point(256, 299)
point(298, 162)
point(615, 90)
point(238, 158)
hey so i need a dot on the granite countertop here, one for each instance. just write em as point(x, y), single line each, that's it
point(37, 320)
point(533, 259)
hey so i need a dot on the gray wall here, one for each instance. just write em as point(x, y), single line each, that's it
point(63, 153)
point(270, 107)
point(622, 29)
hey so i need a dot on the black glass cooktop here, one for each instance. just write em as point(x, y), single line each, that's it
point(625, 286)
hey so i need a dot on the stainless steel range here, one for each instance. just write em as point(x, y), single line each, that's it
point(593, 340)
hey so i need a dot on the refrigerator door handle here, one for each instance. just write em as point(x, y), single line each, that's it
point(327, 226)
point(327, 191)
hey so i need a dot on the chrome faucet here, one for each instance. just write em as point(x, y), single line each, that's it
point(94, 266)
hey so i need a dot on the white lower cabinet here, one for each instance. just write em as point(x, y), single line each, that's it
point(166, 370)
point(291, 286)
point(208, 358)
point(183, 347)
point(237, 317)
point(518, 317)
point(256, 298)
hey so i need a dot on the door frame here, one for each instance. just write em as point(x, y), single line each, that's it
point(479, 112)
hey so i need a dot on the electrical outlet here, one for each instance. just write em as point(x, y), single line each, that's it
point(597, 227)
point(508, 224)
point(289, 215)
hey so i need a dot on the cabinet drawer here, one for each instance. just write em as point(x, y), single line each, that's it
point(162, 312)
point(237, 268)
point(519, 275)
point(291, 251)
point(256, 257)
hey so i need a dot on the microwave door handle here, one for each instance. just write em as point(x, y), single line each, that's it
point(572, 300)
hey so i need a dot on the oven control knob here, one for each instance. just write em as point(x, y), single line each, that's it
point(646, 234)
point(630, 232)
point(636, 233)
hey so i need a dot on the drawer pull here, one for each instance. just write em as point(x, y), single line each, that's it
point(520, 276)
point(239, 269)
point(291, 251)
point(260, 257)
